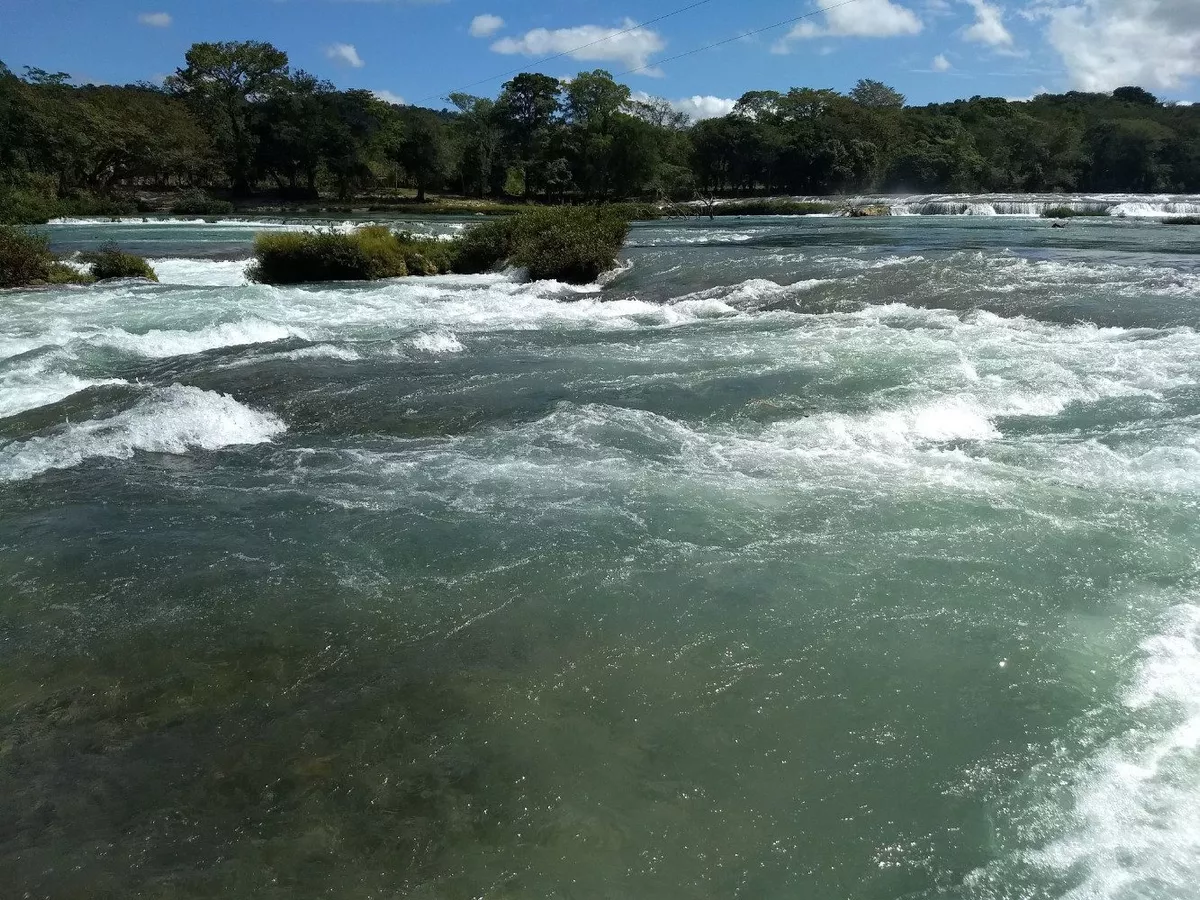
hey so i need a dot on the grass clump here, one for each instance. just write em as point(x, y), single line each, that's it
point(1182, 220)
point(773, 208)
point(1070, 212)
point(292, 257)
point(26, 260)
point(572, 244)
point(198, 203)
point(112, 262)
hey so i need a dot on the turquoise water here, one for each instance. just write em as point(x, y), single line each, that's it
point(804, 558)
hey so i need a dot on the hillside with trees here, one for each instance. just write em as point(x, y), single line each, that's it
point(235, 120)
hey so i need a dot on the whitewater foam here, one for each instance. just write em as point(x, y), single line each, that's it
point(174, 419)
point(200, 272)
point(437, 342)
point(1136, 830)
point(30, 389)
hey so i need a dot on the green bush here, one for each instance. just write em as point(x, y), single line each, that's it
point(95, 206)
point(111, 262)
point(23, 207)
point(290, 257)
point(772, 208)
point(485, 246)
point(1070, 212)
point(198, 203)
point(637, 212)
point(25, 259)
point(573, 244)
point(1182, 220)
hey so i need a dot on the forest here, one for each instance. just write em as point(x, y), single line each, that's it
point(236, 121)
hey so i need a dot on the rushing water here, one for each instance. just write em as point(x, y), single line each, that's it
point(806, 558)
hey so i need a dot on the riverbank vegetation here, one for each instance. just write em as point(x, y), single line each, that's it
point(26, 261)
point(1071, 212)
point(1182, 220)
point(236, 127)
point(571, 244)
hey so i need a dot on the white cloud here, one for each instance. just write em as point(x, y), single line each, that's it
point(156, 20)
point(704, 107)
point(989, 26)
point(345, 53)
point(389, 97)
point(1036, 92)
point(486, 25)
point(632, 49)
point(941, 64)
point(865, 18)
point(695, 108)
point(1110, 43)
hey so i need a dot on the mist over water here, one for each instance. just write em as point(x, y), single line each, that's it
point(803, 558)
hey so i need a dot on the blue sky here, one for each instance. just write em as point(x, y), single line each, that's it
point(419, 50)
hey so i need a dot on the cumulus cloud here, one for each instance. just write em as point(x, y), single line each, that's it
point(941, 64)
point(486, 25)
point(704, 107)
point(697, 107)
point(389, 97)
point(632, 49)
point(989, 26)
point(1109, 43)
point(156, 19)
point(866, 18)
point(345, 54)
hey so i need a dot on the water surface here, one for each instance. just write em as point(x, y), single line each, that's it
point(805, 558)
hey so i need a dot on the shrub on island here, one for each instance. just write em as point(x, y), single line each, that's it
point(1071, 212)
point(767, 207)
point(198, 203)
point(26, 260)
point(112, 262)
point(572, 244)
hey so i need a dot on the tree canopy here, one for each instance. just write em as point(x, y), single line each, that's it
point(236, 118)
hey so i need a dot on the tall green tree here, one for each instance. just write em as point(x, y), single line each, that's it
point(528, 108)
point(221, 82)
point(421, 148)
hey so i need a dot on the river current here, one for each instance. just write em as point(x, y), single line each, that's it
point(803, 558)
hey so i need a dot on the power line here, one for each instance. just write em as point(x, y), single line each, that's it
point(736, 37)
point(607, 37)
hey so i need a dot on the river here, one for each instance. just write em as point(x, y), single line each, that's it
point(803, 558)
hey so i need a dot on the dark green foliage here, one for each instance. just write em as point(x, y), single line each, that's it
point(1182, 220)
point(198, 203)
point(25, 259)
point(485, 246)
point(1070, 212)
point(25, 207)
point(299, 258)
point(237, 118)
point(572, 244)
point(111, 262)
point(637, 212)
point(772, 208)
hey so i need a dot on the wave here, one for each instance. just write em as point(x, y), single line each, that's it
point(200, 272)
point(437, 342)
point(26, 390)
point(1030, 205)
point(160, 344)
point(1135, 823)
point(175, 419)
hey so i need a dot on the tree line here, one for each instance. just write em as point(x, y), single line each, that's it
point(235, 118)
